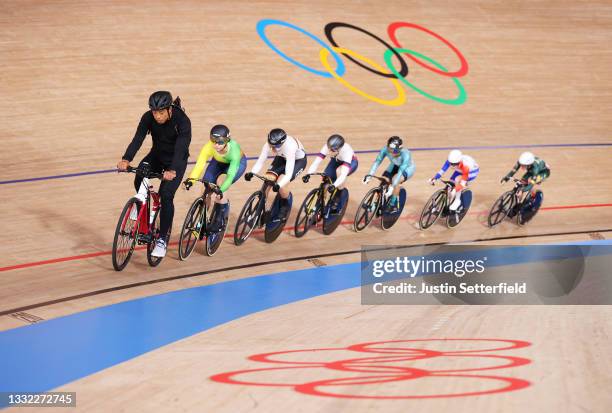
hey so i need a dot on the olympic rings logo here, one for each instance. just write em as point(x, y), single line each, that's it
point(397, 77)
point(332, 372)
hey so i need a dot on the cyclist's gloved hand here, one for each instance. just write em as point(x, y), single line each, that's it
point(331, 188)
point(248, 176)
point(306, 178)
point(275, 187)
point(432, 181)
point(504, 179)
point(366, 179)
point(188, 184)
point(219, 192)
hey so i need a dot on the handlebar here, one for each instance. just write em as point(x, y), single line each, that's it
point(145, 173)
point(266, 180)
point(211, 186)
point(381, 179)
point(325, 177)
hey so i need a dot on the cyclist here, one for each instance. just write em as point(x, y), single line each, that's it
point(535, 171)
point(343, 163)
point(228, 160)
point(170, 129)
point(465, 170)
point(289, 161)
point(399, 171)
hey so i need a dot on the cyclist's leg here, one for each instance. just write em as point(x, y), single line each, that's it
point(284, 192)
point(456, 195)
point(155, 165)
point(167, 189)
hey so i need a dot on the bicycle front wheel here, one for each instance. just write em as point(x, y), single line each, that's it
point(432, 209)
point(192, 227)
point(307, 214)
point(247, 220)
point(367, 209)
point(501, 208)
point(126, 234)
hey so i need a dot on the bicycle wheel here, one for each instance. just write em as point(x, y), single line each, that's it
point(432, 209)
point(501, 208)
point(453, 219)
point(307, 214)
point(213, 241)
point(330, 224)
point(367, 209)
point(192, 227)
point(247, 220)
point(126, 234)
point(529, 210)
point(154, 232)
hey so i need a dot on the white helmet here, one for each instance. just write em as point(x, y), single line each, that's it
point(455, 156)
point(526, 158)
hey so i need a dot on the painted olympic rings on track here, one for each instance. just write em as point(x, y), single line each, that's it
point(401, 94)
point(395, 75)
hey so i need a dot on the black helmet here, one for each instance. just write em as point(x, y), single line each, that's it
point(394, 143)
point(277, 137)
point(335, 142)
point(160, 100)
point(220, 133)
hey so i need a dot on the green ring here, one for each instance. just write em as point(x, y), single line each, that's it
point(457, 101)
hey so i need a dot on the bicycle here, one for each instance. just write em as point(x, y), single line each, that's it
point(197, 221)
point(375, 203)
point(138, 223)
point(253, 214)
point(509, 205)
point(437, 206)
point(319, 206)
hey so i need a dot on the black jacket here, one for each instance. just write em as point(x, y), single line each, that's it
point(170, 140)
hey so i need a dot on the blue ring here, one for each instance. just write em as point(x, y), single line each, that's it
point(262, 24)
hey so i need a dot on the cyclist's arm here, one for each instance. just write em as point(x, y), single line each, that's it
point(181, 147)
point(442, 170)
point(234, 163)
point(377, 161)
point(406, 163)
point(139, 136)
point(262, 158)
point(290, 148)
point(320, 156)
point(344, 171)
point(513, 171)
point(204, 156)
point(345, 156)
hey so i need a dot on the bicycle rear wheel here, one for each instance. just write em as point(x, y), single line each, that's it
point(126, 234)
point(192, 227)
point(432, 209)
point(307, 214)
point(214, 240)
point(247, 220)
point(501, 208)
point(367, 209)
point(154, 228)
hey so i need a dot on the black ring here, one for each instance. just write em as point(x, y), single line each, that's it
point(328, 33)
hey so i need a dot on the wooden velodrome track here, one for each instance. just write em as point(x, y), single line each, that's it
point(75, 77)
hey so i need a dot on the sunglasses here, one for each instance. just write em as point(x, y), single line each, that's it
point(219, 140)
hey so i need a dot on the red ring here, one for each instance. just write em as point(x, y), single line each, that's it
point(464, 64)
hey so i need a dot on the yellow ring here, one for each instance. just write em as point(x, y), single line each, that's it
point(401, 94)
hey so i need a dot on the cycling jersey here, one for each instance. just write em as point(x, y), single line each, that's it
point(232, 156)
point(404, 163)
point(345, 157)
point(291, 150)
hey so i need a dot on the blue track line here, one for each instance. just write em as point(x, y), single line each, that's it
point(442, 148)
point(49, 354)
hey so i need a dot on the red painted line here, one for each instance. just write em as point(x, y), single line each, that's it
point(260, 231)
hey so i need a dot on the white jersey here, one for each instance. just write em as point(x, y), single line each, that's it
point(344, 156)
point(291, 150)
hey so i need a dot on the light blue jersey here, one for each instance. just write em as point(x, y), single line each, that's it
point(401, 166)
